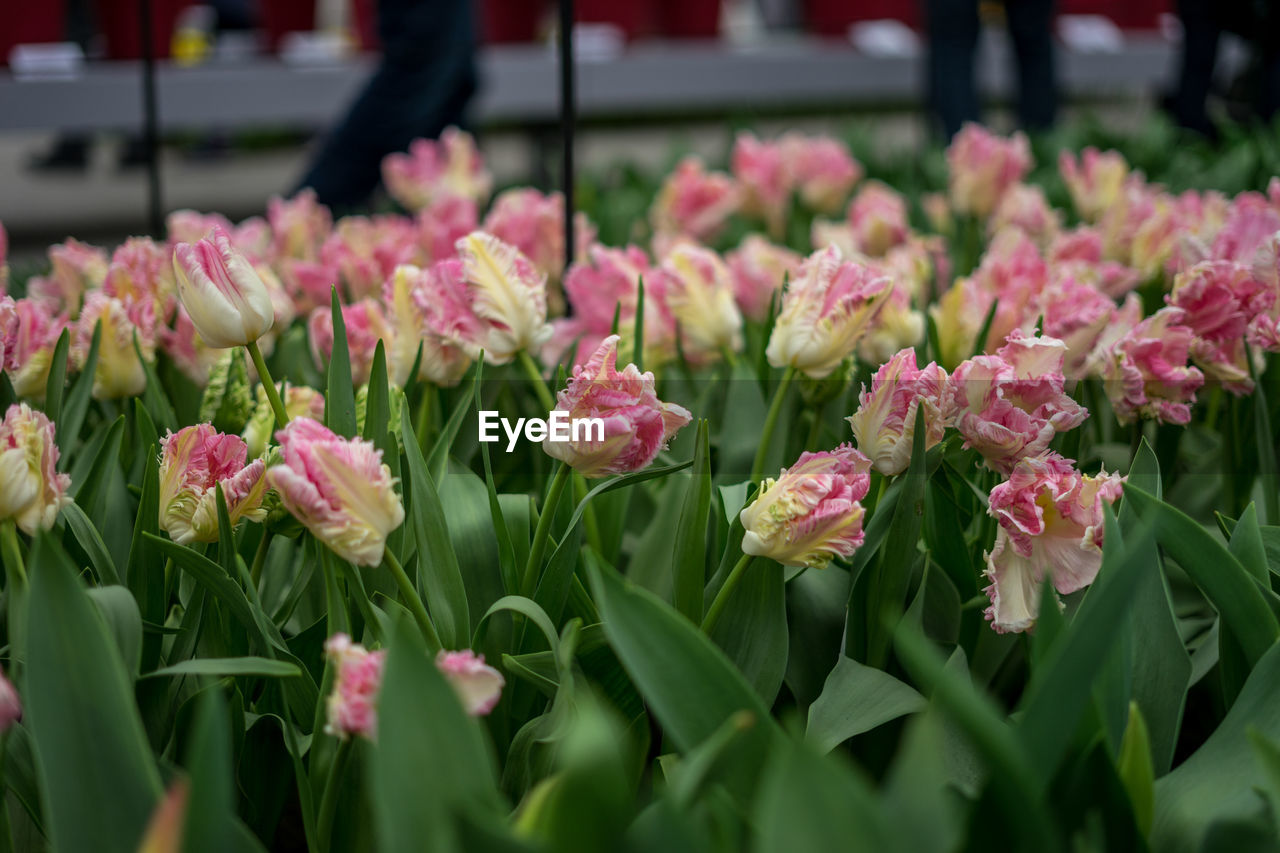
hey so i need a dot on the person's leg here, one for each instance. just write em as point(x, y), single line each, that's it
point(422, 85)
point(952, 29)
point(1031, 31)
point(1200, 31)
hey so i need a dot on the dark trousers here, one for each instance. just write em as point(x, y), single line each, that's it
point(953, 29)
point(1203, 22)
point(421, 86)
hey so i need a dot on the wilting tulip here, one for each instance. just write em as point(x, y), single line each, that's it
point(194, 461)
point(693, 202)
point(28, 334)
point(1146, 374)
point(1095, 181)
point(338, 488)
point(825, 311)
point(761, 171)
point(10, 705)
point(353, 704)
point(299, 402)
point(1051, 525)
point(821, 169)
point(76, 269)
point(32, 492)
point(695, 285)
point(448, 168)
point(759, 268)
point(408, 295)
point(227, 301)
point(478, 685)
point(885, 424)
point(636, 423)
point(1011, 405)
point(981, 166)
point(365, 323)
point(878, 216)
point(299, 226)
point(811, 513)
point(494, 299)
point(119, 373)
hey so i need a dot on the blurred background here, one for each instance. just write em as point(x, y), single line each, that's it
point(259, 97)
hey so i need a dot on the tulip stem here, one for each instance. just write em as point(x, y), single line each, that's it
point(16, 571)
point(726, 591)
point(329, 799)
point(414, 602)
point(770, 423)
point(539, 384)
point(15, 591)
point(589, 520)
point(260, 559)
point(529, 583)
point(264, 376)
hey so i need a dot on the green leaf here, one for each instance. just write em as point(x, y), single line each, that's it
point(438, 573)
point(98, 781)
point(425, 777)
point(752, 629)
point(76, 403)
point(153, 398)
point(120, 613)
point(919, 799)
point(340, 394)
point(90, 490)
point(264, 667)
point(91, 541)
point(438, 462)
point(1220, 780)
point(689, 559)
point(637, 336)
point(55, 386)
point(145, 575)
point(377, 404)
point(211, 823)
point(1215, 570)
point(855, 699)
point(1136, 770)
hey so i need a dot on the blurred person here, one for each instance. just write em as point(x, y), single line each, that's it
point(423, 82)
point(1203, 23)
point(953, 28)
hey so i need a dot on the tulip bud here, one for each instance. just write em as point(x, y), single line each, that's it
point(885, 423)
point(636, 423)
point(194, 461)
point(227, 401)
point(825, 312)
point(353, 704)
point(227, 301)
point(479, 686)
point(339, 489)
point(811, 513)
point(32, 492)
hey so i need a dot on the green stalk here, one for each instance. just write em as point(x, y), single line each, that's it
point(589, 520)
point(264, 376)
point(329, 799)
point(539, 384)
point(722, 597)
point(260, 559)
point(414, 602)
point(770, 423)
point(16, 589)
point(529, 583)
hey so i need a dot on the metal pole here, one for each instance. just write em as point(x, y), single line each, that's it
point(150, 122)
point(568, 121)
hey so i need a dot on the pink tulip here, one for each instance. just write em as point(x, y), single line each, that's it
point(811, 513)
point(694, 284)
point(492, 298)
point(32, 492)
point(693, 202)
point(761, 170)
point(1051, 525)
point(299, 226)
point(140, 269)
point(878, 215)
point(194, 461)
point(825, 312)
point(982, 166)
point(1094, 181)
point(759, 268)
point(1264, 328)
point(434, 169)
point(534, 224)
point(885, 424)
point(4, 260)
point(478, 685)
point(366, 324)
point(10, 705)
point(1146, 374)
point(366, 250)
point(1076, 313)
point(353, 704)
point(636, 423)
point(1081, 250)
point(1251, 220)
point(77, 269)
point(226, 298)
point(187, 349)
point(1024, 207)
point(338, 488)
point(607, 280)
point(188, 226)
point(1220, 299)
point(821, 169)
point(443, 223)
point(119, 372)
point(896, 326)
point(408, 296)
point(28, 333)
point(1010, 405)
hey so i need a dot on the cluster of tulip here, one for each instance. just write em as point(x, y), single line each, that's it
point(1132, 310)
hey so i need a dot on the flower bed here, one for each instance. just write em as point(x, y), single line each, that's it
point(800, 527)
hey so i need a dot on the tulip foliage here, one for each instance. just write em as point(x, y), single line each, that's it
point(876, 534)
